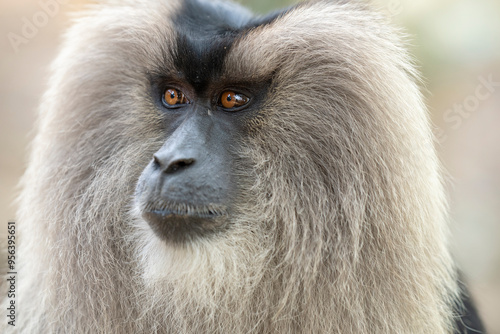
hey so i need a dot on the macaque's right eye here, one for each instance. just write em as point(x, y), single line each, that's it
point(174, 98)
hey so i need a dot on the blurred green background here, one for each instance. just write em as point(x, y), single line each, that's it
point(457, 46)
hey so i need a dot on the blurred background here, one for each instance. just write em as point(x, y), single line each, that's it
point(457, 46)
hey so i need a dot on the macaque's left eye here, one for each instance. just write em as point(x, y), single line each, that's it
point(174, 98)
point(231, 100)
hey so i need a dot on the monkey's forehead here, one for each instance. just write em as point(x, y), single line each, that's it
point(203, 41)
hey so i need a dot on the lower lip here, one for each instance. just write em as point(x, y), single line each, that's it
point(178, 227)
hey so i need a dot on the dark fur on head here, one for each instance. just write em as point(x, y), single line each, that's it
point(339, 221)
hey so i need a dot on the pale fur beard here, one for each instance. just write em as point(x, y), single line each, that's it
point(205, 286)
point(342, 224)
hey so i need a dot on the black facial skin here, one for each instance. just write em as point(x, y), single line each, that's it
point(186, 191)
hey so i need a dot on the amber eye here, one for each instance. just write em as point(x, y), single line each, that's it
point(232, 100)
point(174, 97)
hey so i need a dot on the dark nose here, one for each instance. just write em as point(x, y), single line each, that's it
point(170, 165)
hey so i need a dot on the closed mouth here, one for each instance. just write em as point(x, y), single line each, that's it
point(182, 222)
point(172, 209)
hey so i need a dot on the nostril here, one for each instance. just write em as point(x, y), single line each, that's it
point(169, 165)
point(178, 164)
point(184, 162)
